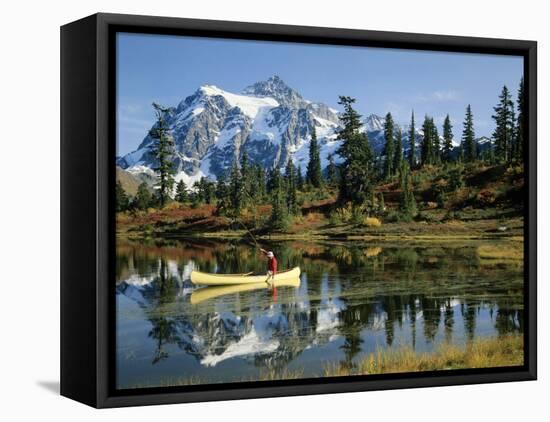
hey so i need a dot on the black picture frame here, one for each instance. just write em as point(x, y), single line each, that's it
point(87, 212)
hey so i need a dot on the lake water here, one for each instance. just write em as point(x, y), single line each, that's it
point(352, 299)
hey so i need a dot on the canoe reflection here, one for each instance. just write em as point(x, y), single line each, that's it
point(208, 293)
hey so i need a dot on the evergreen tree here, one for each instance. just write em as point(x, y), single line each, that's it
point(412, 143)
point(207, 189)
point(456, 180)
point(504, 131)
point(274, 180)
point(163, 146)
point(404, 170)
point(222, 195)
point(469, 145)
point(235, 191)
point(407, 202)
point(447, 139)
point(291, 197)
point(299, 178)
point(261, 183)
point(398, 155)
point(313, 175)
point(490, 153)
point(332, 171)
point(181, 192)
point(245, 165)
point(279, 219)
point(122, 200)
point(357, 170)
point(426, 148)
point(436, 149)
point(520, 124)
point(246, 179)
point(198, 194)
point(143, 199)
point(389, 148)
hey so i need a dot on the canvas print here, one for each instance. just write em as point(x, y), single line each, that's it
point(288, 211)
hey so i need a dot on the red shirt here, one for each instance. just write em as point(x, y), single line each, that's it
point(272, 265)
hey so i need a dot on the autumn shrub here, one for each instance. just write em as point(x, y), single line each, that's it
point(174, 205)
point(486, 197)
point(371, 222)
point(341, 215)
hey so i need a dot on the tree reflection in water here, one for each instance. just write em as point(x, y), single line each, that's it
point(351, 295)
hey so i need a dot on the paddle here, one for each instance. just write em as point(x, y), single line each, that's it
point(251, 235)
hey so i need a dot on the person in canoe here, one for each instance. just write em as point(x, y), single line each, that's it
point(271, 264)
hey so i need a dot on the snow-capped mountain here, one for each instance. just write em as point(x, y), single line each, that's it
point(268, 120)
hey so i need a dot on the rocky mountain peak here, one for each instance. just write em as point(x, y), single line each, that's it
point(374, 123)
point(276, 88)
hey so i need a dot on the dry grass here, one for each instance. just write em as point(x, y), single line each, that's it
point(501, 251)
point(285, 374)
point(484, 353)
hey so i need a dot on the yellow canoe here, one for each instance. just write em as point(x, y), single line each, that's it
point(211, 292)
point(208, 279)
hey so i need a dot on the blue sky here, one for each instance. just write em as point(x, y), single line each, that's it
point(167, 69)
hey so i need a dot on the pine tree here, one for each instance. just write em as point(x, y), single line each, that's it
point(407, 202)
point(197, 196)
point(357, 169)
point(163, 147)
point(436, 148)
point(260, 183)
point(222, 195)
point(299, 178)
point(181, 192)
point(143, 198)
point(398, 155)
point(332, 171)
point(291, 197)
point(235, 191)
point(274, 180)
point(520, 124)
point(207, 189)
point(389, 148)
point(313, 175)
point(403, 172)
point(447, 140)
point(245, 166)
point(469, 145)
point(456, 180)
point(412, 143)
point(426, 148)
point(122, 200)
point(246, 179)
point(279, 219)
point(504, 131)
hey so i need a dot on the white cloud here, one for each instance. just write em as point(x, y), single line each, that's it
point(445, 95)
point(438, 96)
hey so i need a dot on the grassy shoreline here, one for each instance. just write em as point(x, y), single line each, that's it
point(491, 352)
point(164, 225)
point(481, 353)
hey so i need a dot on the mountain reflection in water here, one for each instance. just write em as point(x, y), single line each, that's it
point(352, 299)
